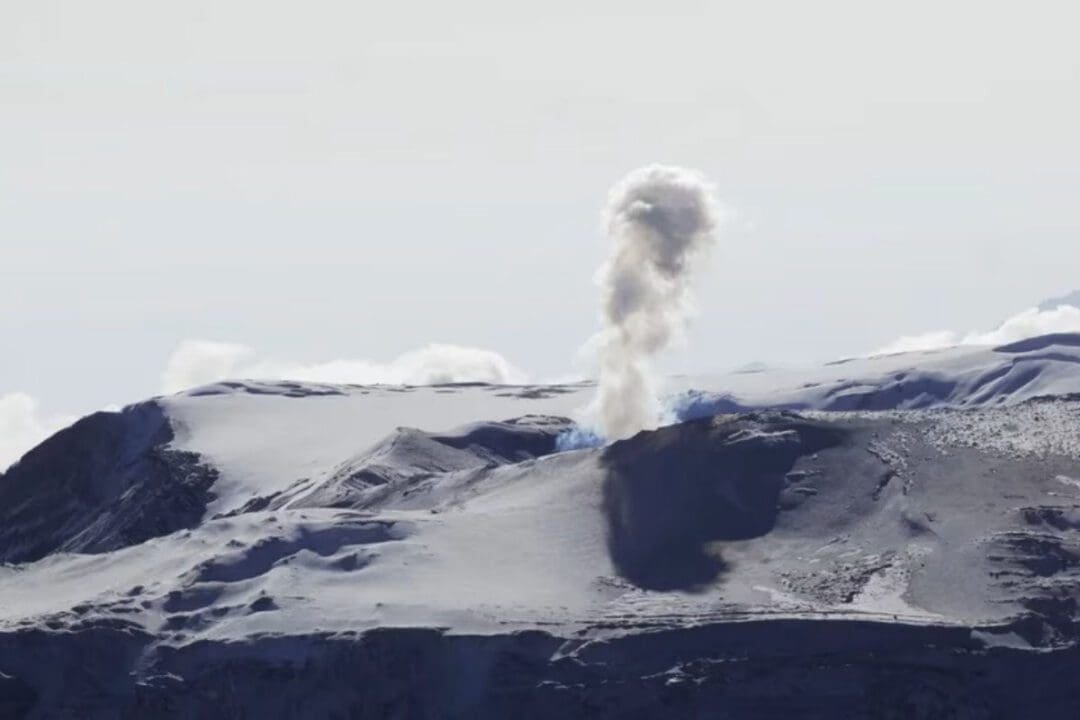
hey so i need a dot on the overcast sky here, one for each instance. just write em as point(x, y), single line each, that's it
point(328, 180)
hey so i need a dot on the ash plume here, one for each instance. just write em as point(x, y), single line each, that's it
point(660, 220)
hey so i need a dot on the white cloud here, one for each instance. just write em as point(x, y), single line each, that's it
point(1029, 323)
point(933, 340)
point(23, 425)
point(199, 362)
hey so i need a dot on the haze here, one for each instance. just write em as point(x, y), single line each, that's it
point(355, 180)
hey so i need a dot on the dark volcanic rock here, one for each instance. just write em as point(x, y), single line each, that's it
point(769, 669)
point(108, 481)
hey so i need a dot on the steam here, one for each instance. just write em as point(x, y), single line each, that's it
point(660, 220)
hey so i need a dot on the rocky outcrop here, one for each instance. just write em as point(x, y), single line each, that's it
point(108, 481)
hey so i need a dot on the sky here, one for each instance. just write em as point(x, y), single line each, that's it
point(338, 181)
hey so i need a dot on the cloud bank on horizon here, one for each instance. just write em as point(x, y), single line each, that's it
point(660, 220)
point(201, 362)
point(1035, 321)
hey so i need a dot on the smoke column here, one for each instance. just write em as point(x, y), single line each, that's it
point(660, 220)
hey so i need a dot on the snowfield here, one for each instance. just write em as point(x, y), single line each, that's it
point(895, 536)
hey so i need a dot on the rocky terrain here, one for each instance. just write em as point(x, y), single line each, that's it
point(892, 537)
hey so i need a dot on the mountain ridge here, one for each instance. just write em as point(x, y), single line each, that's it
point(274, 550)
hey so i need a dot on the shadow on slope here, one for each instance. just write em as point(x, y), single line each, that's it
point(668, 493)
point(257, 559)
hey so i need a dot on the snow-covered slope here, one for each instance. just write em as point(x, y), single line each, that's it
point(281, 550)
point(265, 437)
point(956, 377)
